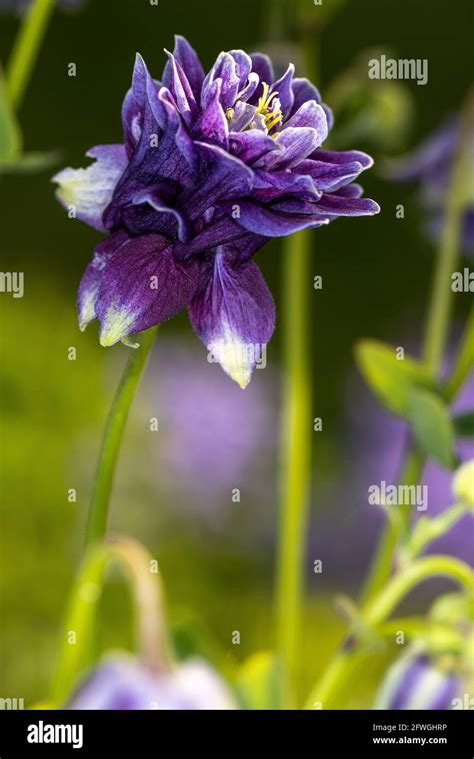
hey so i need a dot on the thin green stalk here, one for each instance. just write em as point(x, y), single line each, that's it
point(295, 454)
point(328, 692)
point(78, 636)
point(26, 49)
point(464, 361)
point(435, 341)
point(112, 440)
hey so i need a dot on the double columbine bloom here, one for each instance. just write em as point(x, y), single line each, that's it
point(212, 166)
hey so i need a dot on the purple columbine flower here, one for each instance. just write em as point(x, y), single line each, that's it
point(431, 166)
point(121, 683)
point(212, 166)
point(416, 682)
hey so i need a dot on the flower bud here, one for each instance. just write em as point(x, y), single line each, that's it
point(416, 682)
point(121, 683)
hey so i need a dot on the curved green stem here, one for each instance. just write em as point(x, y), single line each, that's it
point(79, 627)
point(26, 48)
point(435, 339)
point(98, 512)
point(296, 455)
point(328, 692)
point(464, 361)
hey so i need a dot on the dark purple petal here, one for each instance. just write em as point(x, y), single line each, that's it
point(297, 144)
point(243, 66)
point(90, 282)
point(225, 68)
point(262, 66)
point(190, 64)
point(330, 177)
point(343, 156)
point(141, 287)
point(284, 87)
point(234, 316)
point(310, 114)
point(156, 198)
point(275, 184)
point(273, 221)
point(176, 81)
point(212, 124)
point(251, 145)
point(339, 205)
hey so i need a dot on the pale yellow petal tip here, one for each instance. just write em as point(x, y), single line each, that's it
point(463, 484)
point(115, 326)
point(233, 356)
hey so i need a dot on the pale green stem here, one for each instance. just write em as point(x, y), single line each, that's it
point(464, 361)
point(26, 49)
point(112, 440)
point(327, 693)
point(78, 635)
point(435, 340)
point(295, 454)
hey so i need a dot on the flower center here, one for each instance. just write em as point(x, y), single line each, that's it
point(269, 107)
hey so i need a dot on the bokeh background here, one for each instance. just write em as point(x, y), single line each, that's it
point(174, 486)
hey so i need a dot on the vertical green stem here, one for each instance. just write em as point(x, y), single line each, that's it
point(26, 48)
point(97, 520)
point(435, 336)
point(296, 453)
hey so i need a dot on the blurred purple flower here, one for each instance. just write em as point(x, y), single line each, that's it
point(431, 166)
point(215, 439)
point(212, 166)
point(373, 445)
point(415, 682)
point(121, 683)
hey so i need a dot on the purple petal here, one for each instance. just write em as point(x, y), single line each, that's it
point(312, 115)
point(225, 68)
point(190, 64)
point(297, 144)
point(212, 125)
point(339, 205)
point(176, 81)
point(278, 222)
point(251, 145)
point(284, 87)
point(303, 91)
point(330, 177)
point(141, 287)
point(89, 191)
point(90, 282)
point(234, 316)
point(343, 156)
point(262, 66)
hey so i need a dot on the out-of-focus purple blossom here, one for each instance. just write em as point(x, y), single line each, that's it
point(121, 683)
point(431, 166)
point(373, 445)
point(416, 682)
point(212, 166)
point(214, 438)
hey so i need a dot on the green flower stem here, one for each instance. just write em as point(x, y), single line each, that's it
point(78, 636)
point(26, 49)
point(295, 454)
point(435, 341)
point(97, 520)
point(329, 691)
point(464, 360)
point(440, 307)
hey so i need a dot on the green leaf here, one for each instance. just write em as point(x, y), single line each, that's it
point(10, 135)
point(259, 683)
point(464, 424)
point(432, 426)
point(391, 379)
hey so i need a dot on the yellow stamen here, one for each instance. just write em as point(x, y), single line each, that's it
point(272, 117)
